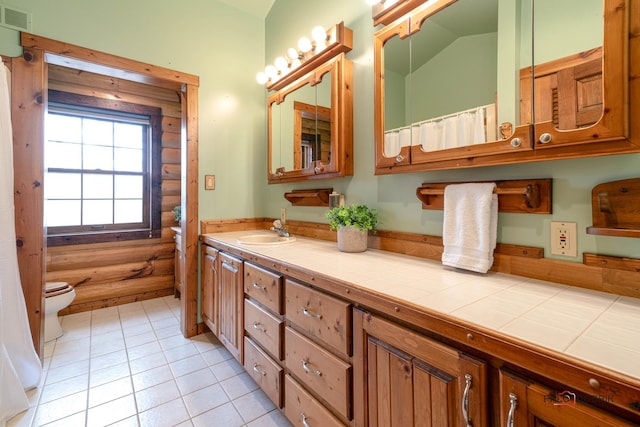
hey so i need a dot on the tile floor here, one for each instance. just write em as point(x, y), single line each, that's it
point(130, 366)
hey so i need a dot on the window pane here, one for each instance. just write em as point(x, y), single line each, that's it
point(97, 212)
point(128, 160)
point(63, 155)
point(95, 158)
point(97, 186)
point(97, 132)
point(62, 186)
point(63, 128)
point(127, 211)
point(62, 212)
point(128, 187)
point(127, 135)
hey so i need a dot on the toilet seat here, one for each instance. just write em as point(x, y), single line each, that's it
point(57, 288)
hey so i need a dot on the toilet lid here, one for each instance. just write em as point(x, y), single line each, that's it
point(55, 286)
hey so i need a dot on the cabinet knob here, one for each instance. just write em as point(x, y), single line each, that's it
point(399, 158)
point(545, 138)
point(516, 142)
point(594, 383)
point(470, 336)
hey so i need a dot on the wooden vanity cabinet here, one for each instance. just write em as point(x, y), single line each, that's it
point(264, 330)
point(231, 304)
point(209, 287)
point(403, 378)
point(527, 403)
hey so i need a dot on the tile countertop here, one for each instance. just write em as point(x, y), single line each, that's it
point(596, 327)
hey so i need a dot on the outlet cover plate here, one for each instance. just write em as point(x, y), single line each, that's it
point(564, 238)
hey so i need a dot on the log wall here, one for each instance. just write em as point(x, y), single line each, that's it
point(107, 274)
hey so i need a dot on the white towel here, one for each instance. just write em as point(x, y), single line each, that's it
point(470, 226)
point(391, 143)
point(405, 137)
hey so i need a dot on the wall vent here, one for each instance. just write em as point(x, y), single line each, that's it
point(15, 19)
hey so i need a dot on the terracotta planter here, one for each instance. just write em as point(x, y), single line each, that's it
point(351, 239)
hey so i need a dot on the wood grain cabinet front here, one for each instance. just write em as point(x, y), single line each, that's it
point(319, 370)
point(264, 286)
point(265, 328)
point(402, 378)
point(526, 403)
point(231, 304)
point(264, 371)
point(209, 287)
point(303, 410)
point(319, 315)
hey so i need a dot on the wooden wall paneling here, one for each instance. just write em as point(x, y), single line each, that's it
point(63, 258)
point(189, 203)
point(28, 98)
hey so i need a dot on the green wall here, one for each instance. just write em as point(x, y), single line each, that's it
point(394, 196)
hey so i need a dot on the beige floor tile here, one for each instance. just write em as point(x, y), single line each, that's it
point(111, 412)
point(168, 414)
point(157, 395)
point(205, 399)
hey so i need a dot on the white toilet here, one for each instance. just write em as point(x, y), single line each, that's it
point(58, 295)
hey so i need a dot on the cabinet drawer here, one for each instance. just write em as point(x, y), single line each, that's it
point(263, 286)
point(264, 328)
point(319, 315)
point(303, 410)
point(320, 371)
point(264, 371)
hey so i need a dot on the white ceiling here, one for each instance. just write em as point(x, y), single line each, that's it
point(259, 8)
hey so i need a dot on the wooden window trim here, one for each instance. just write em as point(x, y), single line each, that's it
point(155, 205)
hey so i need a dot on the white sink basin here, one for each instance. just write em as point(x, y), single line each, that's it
point(265, 239)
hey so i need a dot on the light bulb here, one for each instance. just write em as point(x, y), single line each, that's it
point(318, 34)
point(261, 78)
point(270, 71)
point(296, 63)
point(304, 44)
point(281, 63)
point(292, 53)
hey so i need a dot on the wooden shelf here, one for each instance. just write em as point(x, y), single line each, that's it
point(516, 196)
point(615, 208)
point(313, 197)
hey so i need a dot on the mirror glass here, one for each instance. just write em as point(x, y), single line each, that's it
point(568, 85)
point(301, 128)
point(455, 81)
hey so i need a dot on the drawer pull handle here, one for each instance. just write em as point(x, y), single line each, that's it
point(513, 404)
point(304, 420)
point(465, 400)
point(308, 370)
point(256, 286)
point(259, 327)
point(258, 370)
point(308, 313)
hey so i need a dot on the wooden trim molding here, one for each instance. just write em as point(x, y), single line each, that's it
point(615, 275)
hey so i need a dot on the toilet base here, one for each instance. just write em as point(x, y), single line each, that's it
point(52, 328)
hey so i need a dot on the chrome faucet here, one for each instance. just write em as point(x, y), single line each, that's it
point(279, 228)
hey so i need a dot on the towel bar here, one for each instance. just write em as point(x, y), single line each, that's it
point(520, 196)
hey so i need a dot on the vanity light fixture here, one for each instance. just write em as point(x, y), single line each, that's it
point(323, 45)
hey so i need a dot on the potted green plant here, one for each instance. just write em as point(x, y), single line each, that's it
point(353, 223)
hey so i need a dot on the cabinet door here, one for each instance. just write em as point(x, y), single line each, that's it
point(209, 288)
point(524, 403)
point(177, 265)
point(231, 300)
point(402, 378)
point(580, 83)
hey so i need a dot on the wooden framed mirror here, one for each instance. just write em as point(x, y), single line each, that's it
point(310, 125)
point(446, 85)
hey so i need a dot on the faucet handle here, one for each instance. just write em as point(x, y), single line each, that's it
point(277, 223)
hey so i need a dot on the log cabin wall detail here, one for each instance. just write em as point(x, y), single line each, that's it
point(107, 274)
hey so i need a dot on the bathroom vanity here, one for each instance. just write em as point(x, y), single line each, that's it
point(379, 338)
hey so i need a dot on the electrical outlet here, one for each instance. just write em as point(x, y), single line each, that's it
point(564, 238)
point(283, 216)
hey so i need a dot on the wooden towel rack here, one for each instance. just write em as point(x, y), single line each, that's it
point(516, 196)
point(312, 197)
